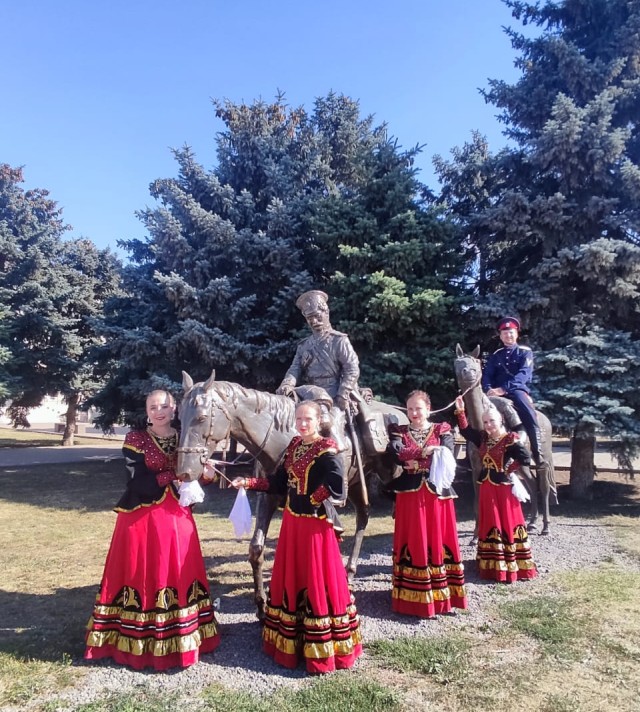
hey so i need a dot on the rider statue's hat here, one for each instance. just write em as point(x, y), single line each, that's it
point(508, 322)
point(312, 302)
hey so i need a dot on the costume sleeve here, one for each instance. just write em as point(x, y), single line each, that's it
point(273, 484)
point(446, 436)
point(395, 445)
point(467, 432)
point(143, 486)
point(349, 367)
point(522, 378)
point(401, 451)
point(328, 466)
point(519, 456)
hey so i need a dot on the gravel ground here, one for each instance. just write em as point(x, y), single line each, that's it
point(239, 663)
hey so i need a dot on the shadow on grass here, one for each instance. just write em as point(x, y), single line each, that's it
point(51, 628)
point(45, 627)
point(608, 497)
point(91, 487)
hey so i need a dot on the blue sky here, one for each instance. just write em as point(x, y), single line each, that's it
point(96, 93)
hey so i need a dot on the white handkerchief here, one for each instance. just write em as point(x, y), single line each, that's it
point(190, 493)
point(518, 490)
point(443, 469)
point(240, 514)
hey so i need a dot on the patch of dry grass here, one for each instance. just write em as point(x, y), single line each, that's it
point(579, 651)
point(626, 530)
point(15, 437)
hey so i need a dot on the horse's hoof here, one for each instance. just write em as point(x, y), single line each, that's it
point(473, 541)
point(545, 531)
point(532, 528)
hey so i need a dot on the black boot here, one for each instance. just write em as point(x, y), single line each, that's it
point(535, 441)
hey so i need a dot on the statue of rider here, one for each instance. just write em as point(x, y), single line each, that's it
point(326, 360)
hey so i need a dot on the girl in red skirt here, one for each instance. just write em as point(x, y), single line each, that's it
point(503, 553)
point(153, 608)
point(311, 614)
point(428, 574)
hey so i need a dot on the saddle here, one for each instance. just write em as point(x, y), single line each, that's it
point(314, 393)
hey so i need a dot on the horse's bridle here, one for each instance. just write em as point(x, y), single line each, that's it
point(204, 451)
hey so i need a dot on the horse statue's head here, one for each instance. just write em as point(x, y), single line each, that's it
point(468, 368)
point(205, 422)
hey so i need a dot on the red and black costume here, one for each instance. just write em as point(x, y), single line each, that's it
point(310, 613)
point(428, 574)
point(153, 608)
point(504, 553)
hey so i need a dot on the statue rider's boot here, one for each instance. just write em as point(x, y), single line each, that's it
point(338, 435)
point(337, 429)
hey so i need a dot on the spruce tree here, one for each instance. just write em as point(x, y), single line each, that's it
point(230, 249)
point(51, 290)
point(395, 270)
point(560, 227)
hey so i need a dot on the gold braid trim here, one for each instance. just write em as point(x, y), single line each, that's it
point(144, 617)
point(157, 648)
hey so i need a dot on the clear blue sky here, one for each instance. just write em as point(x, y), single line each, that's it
point(96, 93)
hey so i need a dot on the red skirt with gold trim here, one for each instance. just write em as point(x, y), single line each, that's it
point(428, 573)
point(311, 614)
point(504, 553)
point(153, 608)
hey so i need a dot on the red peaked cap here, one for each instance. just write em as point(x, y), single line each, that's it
point(508, 322)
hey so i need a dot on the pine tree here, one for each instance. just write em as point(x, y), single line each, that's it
point(51, 289)
point(558, 232)
point(229, 250)
point(578, 378)
point(395, 273)
point(213, 285)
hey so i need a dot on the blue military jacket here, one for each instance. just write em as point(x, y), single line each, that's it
point(510, 368)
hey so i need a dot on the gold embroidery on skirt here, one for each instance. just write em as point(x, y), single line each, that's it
point(167, 598)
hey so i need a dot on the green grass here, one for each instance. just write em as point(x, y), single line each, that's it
point(21, 678)
point(552, 621)
point(341, 693)
point(444, 659)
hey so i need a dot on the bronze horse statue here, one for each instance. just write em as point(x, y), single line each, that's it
point(468, 372)
point(264, 423)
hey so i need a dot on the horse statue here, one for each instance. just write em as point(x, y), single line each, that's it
point(468, 371)
point(264, 423)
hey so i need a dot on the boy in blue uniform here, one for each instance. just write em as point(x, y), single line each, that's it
point(508, 373)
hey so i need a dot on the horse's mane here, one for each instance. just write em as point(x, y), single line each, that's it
point(282, 407)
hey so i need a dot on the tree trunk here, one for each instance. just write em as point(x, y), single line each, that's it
point(70, 420)
point(583, 447)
